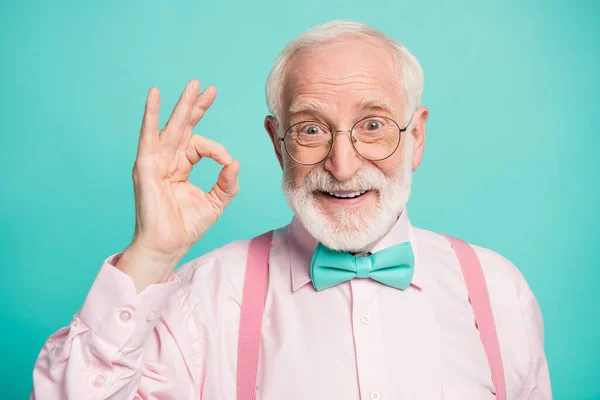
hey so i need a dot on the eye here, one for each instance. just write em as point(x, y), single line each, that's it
point(311, 129)
point(372, 125)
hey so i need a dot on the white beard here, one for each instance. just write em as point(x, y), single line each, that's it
point(349, 230)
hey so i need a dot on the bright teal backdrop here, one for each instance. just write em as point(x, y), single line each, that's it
point(510, 163)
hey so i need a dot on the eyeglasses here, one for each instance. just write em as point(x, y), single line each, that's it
point(373, 138)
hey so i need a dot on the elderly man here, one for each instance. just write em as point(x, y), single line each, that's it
point(347, 302)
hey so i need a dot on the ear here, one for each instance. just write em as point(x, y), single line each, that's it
point(418, 132)
point(271, 128)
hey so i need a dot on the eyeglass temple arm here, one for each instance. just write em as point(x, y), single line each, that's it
point(407, 125)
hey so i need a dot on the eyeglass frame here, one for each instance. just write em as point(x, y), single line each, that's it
point(352, 139)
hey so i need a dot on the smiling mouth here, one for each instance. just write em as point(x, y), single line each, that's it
point(345, 195)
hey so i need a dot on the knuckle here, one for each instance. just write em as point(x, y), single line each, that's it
point(220, 148)
point(141, 165)
point(196, 139)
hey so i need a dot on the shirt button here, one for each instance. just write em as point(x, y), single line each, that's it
point(125, 315)
point(365, 320)
point(98, 380)
point(375, 395)
point(150, 316)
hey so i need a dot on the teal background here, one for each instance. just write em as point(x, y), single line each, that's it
point(510, 163)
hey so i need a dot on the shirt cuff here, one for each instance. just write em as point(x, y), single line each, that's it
point(114, 311)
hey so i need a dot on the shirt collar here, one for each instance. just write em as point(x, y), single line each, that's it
point(302, 246)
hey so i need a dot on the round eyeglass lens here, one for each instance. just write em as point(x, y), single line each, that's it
point(308, 142)
point(376, 138)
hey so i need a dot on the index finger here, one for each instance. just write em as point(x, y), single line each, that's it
point(200, 147)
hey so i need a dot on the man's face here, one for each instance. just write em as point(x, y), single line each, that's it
point(339, 84)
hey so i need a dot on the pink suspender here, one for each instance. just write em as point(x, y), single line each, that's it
point(253, 304)
point(484, 318)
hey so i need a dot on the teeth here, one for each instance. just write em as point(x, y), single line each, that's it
point(347, 195)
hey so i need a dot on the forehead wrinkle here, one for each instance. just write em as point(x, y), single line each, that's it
point(358, 78)
point(317, 93)
point(305, 95)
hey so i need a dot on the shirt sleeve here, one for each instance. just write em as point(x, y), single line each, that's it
point(122, 345)
point(537, 386)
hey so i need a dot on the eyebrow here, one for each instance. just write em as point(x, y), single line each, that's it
point(375, 103)
point(310, 106)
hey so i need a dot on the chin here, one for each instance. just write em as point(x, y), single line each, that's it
point(349, 229)
point(358, 236)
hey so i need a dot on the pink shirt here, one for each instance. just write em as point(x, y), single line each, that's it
point(357, 340)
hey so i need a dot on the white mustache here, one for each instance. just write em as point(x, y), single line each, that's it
point(365, 179)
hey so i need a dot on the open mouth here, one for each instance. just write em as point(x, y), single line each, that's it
point(346, 195)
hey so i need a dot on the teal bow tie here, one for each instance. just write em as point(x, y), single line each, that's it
point(393, 266)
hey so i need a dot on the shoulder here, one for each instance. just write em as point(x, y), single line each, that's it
point(224, 264)
point(502, 275)
point(212, 284)
point(221, 268)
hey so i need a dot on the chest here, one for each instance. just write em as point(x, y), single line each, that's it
point(364, 340)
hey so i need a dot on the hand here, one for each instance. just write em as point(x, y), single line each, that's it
point(171, 213)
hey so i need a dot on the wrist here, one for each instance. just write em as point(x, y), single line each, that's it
point(147, 267)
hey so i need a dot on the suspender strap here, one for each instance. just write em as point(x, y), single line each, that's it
point(480, 301)
point(253, 303)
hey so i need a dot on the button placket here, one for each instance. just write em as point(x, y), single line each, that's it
point(368, 339)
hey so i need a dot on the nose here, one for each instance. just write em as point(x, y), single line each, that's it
point(342, 161)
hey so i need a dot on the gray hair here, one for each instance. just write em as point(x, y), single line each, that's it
point(408, 67)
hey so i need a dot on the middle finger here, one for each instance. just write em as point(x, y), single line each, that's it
point(174, 130)
point(204, 101)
